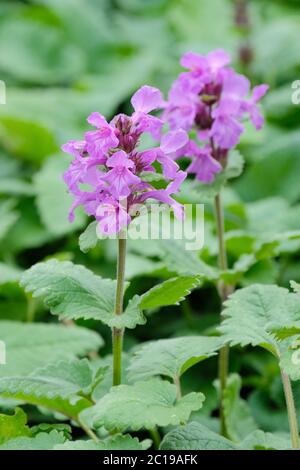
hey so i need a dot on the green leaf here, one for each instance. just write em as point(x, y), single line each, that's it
point(44, 55)
point(13, 426)
point(88, 239)
point(171, 357)
point(170, 292)
point(131, 317)
point(185, 263)
point(118, 442)
point(279, 160)
point(251, 313)
point(45, 427)
point(72, 291)
point(296, 287)
point(195, 436)
point(42, 441)
point(238, 418)
point(34, 143)
point(29, 346)
point(48, 392)
point(142, 405)
point(28, 232)
point(60, 379)
point(52, 199)
point(260, 440)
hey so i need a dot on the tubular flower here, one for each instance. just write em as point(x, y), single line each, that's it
point(106, 175)
point(214, 100)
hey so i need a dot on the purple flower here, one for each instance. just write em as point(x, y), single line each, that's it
point(203, 165)
point(106, 173)
point(120, 177)
point(212, 99)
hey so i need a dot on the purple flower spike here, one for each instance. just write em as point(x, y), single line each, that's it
point(212, 99)
point(106, 174)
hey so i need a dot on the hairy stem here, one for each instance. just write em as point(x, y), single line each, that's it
point(117, 333)
point(291, 410)
point(224, 291)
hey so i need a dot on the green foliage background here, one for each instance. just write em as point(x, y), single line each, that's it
point(62, 59)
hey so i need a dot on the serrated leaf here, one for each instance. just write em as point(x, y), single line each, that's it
point(88, 239)
point(29, 346)
point(171, 357)
point(142, 405)
point(63, 428)
point(62, 379)
point(169, 292)
point(12, 426)
point(45, 392)
point(251, 313)
point(42, 441)
point(238, 418)
point(118, 442)
point(71, 291)
point(195, 436)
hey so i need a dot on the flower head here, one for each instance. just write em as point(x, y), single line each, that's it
point(214, 100)
point(106, 173)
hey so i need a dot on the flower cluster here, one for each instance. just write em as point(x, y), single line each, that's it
point(106, 173)
point(214, 100)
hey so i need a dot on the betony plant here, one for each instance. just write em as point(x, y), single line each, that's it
point(213, 100)
point(106, 178)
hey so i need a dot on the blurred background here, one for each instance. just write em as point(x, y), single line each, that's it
point(63, 59)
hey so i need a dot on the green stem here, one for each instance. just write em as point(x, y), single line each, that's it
point(291, 410)
point(178, 387)
point(31, 307)
point(224, 291)
point(187, 313)
point(88, 431)
point(117, 333)
point(155, 436)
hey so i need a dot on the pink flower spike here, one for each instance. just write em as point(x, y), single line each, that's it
point(146, 99)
